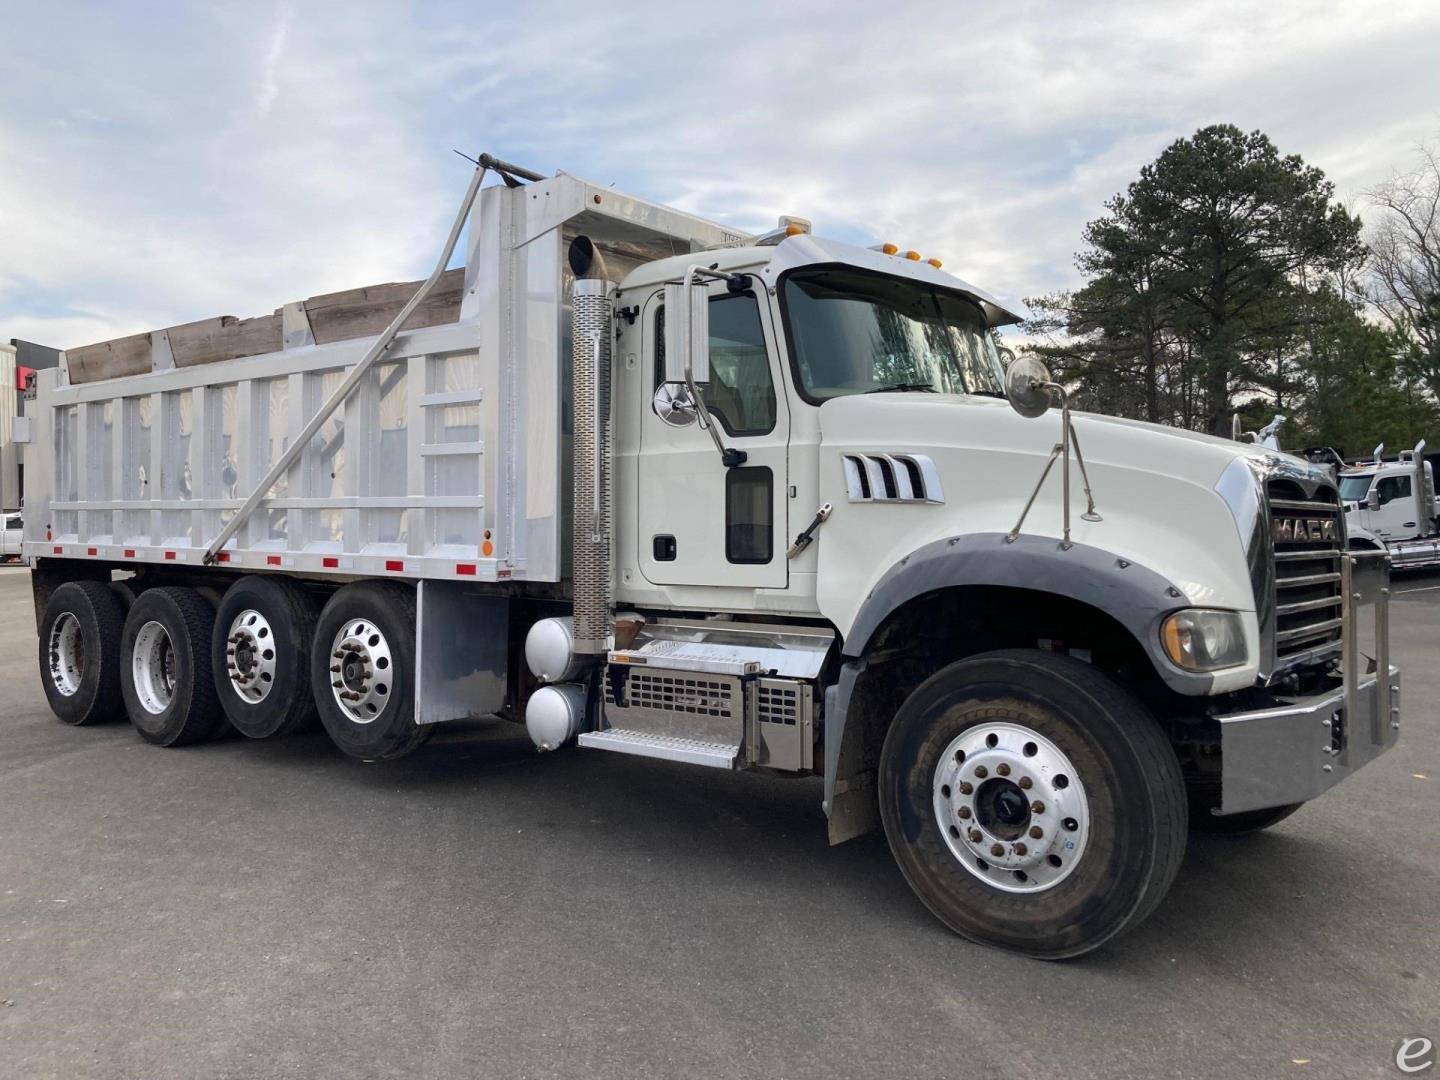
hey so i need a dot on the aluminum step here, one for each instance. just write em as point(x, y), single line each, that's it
point(664, 747)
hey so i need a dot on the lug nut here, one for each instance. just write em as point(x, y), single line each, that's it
point(337, 684)
point(981, 771)
point(1025, 783)
point(1003, 769)
point(963, 813)
point(997, 850)
point(1020, 849)
point(1036, 832)
point(1037, 807)
point(975, 836)
point(338, 654)
point(966, 787)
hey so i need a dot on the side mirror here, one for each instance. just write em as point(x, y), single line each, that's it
point(1027, 385)
point(687, 334)
point(1372, 499)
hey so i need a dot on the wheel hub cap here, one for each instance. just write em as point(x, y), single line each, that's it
point(360, 671)
point(250, 656)
point(1011, 807)
point(67, 654)
point(152, 663)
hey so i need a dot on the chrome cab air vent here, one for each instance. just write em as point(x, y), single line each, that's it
point(1307, 535)
point(892, 478)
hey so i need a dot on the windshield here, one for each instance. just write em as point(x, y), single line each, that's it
point(1353, 488)
point(853, 332)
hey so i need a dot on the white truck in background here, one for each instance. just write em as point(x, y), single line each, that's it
point(1390, 505)
point(12, 525)
point(651, 486)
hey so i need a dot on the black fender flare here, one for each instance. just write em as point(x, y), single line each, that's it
point(1135, 596)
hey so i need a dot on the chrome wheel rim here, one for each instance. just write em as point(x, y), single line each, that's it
point(250, 656)
point(1011, 807)
point(360, 670)
point(153, 663)
point(67, 655)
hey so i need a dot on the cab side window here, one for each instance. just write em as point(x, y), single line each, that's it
point(1391, 488)
point(740, 392)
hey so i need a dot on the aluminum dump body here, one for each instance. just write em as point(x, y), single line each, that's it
point(447, 462)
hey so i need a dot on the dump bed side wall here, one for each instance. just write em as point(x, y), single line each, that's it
point(448, 462)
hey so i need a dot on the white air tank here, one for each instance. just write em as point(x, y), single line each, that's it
point(554, 714)
point(550, 651)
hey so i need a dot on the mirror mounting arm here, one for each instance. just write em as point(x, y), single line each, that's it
point(729, 456)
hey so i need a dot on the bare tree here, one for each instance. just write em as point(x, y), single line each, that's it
point(1405, 262)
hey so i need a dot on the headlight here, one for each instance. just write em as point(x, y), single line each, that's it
point(1202, 640)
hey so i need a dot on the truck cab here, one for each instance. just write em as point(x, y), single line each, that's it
point(1392, 500)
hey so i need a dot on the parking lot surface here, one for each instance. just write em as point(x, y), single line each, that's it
point(273, 909)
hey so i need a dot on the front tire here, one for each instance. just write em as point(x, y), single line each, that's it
point(1032, 803)
point(362, 671)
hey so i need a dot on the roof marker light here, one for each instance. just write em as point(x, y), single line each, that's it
point(889, 249)
point(912, 255)
point(936, 263)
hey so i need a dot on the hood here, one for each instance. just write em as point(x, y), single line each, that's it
point(989, 425)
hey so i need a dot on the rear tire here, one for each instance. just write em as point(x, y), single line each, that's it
point(165, 675)
point(1032, 803)
point(260, 656)
point(371, 713)
point(80, 653)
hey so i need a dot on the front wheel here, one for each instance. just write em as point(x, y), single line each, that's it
point(1032, 803)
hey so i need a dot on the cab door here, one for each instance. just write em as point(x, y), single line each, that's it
point(699, 522)
point(1395, 519)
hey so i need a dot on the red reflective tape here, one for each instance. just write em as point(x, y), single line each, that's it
point(92, 551)
point(394, 564)
point(272, 560)
point(59, 550)
point(467, 568)
point(129, 553)
point(222, 556)
point(330, 561)
point(170, 555)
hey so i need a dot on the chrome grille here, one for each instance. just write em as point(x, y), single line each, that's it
point(1308, 536)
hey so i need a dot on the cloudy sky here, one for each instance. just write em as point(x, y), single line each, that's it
point(166, 162)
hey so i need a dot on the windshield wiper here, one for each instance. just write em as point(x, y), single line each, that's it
point(988, 393)
point(904, 388)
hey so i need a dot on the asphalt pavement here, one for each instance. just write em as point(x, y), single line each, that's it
point(274, 909)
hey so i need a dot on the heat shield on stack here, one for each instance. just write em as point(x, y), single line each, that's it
point(591, 316)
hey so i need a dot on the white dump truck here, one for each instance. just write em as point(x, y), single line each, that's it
point(650, 486)
point(1390, 505)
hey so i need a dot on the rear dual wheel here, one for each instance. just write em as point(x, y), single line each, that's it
point(1032, 803)
point(362, 671)
point(260, 657)
point(165, 675)
point(80, 653)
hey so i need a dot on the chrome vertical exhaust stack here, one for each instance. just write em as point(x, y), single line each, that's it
point(591, 334)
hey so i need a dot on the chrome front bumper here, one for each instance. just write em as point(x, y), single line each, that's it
point(1295, 751)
